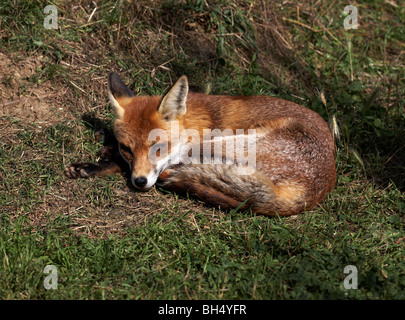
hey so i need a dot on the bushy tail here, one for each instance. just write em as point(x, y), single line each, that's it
point(241, 186)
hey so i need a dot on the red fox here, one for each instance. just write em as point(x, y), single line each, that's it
point(292, 167)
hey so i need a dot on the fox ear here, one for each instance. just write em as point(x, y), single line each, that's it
point(117, 92)
point(174, 102)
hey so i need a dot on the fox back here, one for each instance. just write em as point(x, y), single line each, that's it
point(165, 140)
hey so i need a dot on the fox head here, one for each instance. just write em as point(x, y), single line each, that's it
point(143, 128)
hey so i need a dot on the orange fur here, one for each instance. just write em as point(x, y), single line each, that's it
point(295, 152)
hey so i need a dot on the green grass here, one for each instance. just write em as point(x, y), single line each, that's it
point(110, 242)
point(237, 257)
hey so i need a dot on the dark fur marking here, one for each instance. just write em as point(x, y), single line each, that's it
point(117, 87)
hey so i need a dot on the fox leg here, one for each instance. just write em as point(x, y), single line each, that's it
point(224, 186)
point(111, 163)
point(178, 181)
point(91, 169)
point(203, 192)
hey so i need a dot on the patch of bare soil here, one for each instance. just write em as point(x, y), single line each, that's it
point(23, 96)
point(126, 209)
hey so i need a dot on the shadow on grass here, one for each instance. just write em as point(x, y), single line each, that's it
point(109, 151)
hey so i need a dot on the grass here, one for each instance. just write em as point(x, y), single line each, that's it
point(110, 242)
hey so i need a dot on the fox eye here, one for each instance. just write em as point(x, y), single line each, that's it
point(125, 148)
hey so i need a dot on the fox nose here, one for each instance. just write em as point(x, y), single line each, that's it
point(141, 182)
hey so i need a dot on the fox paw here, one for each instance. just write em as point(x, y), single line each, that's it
point(80, 170)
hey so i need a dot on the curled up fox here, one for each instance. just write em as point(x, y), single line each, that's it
point(269, 155)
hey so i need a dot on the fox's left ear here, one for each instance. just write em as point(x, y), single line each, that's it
point(118, 92)
point(173, 104)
